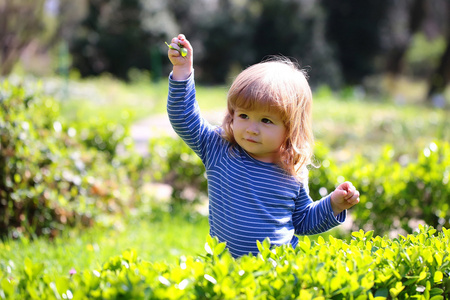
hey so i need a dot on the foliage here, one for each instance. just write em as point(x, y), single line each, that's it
point(342, 43)
point(395, 192)
point(174, 163)
point(424, 53)
point(247, 34)
point(413, 266)
point(48, 178)
point(103, 135)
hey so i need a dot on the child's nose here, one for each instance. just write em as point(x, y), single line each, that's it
point(252, 129)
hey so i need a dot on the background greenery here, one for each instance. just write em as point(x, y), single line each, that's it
point(345, 43)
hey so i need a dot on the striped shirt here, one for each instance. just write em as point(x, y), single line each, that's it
point(249, 200)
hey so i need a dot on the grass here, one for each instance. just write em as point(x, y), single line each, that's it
point(163, 239)
point(114, 99)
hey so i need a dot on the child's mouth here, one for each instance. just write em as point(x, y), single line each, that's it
point(251, 141)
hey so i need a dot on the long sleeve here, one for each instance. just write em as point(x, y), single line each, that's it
point(184, 115)
point(313, 217)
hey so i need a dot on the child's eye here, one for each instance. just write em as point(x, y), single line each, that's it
point(243, 116)
point(266, 121)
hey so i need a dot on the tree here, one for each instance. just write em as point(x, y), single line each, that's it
point(405, 20)
point(415, 14)
point(234, 35)
point(21, 21)
point(296, 28)
point(354, 31)
point(441, 75)
point(110, 39)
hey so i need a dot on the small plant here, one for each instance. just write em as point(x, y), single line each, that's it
point(183, 51)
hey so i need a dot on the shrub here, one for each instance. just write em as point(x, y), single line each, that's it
point(103, 135)
point(395, 195)
point(173, 162)
point(397, 191)
point(48, 178)
point(414, 266)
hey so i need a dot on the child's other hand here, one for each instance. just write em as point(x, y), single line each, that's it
point(182, 65)
point(344, 197)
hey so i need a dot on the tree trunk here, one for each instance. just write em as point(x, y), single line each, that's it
point(417, 14)
point(15, 36)
point(441, 76)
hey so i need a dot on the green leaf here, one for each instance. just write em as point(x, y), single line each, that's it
point(436, 291)
point(28, 267)
point(32, 269)
point(260, 246)
point(320, 240)
point(359, 235)
point(368, 235)
point(395, 291)
point(266, 243)
point(383, 292)
point(130, 255)
point(219, 248)
point(7, 287)
point(438, 276)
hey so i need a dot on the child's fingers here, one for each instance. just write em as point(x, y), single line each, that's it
point(354, 202)
point(173, 53)
point(350, 194)
point(354, 199)
point(175, 40)
point(174, 44)
point(348, 186)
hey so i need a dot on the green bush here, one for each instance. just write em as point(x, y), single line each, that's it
point(173, 162)
point(103, 135)
point(48, 178)
point(395, 195)
point(415, 266)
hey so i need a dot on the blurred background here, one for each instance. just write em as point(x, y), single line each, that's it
point(377, 46)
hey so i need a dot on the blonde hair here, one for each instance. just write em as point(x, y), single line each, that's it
point(279, 85)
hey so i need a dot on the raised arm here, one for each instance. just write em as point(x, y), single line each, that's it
point(182, 107)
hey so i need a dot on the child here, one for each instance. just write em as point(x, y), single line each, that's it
point(256, 161)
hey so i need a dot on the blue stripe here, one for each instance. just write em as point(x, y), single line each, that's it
point(249, 200)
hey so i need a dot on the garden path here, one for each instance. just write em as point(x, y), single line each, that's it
point(159, 125)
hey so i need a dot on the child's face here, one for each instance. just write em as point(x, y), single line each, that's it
point(260, 133)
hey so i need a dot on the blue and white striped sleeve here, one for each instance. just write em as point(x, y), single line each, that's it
point(184, 115)
point(313, 217)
